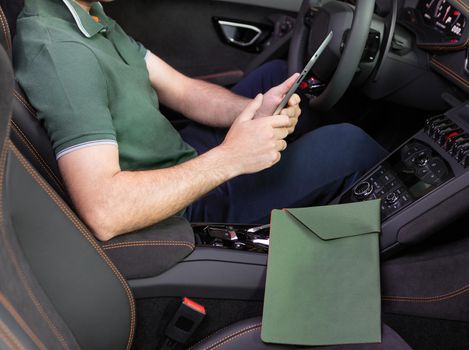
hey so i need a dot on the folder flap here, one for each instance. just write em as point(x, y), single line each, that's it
point(340, 221)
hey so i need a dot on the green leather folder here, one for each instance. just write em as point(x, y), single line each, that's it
point(323, 282)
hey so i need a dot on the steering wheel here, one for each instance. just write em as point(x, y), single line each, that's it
point(351, 27)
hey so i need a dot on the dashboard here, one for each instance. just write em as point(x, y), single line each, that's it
point(443, 18)
point(438, 22)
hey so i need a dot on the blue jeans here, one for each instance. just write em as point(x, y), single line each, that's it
point(314, 168)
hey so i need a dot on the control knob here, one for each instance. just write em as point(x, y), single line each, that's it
point(363, 190)
point(392, 198)
point(421, 160)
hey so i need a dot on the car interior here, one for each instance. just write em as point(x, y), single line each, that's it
point(399, 69)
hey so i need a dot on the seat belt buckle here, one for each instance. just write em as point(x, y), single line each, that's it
point(184, 323)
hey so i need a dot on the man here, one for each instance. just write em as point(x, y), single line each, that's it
point(126, 167)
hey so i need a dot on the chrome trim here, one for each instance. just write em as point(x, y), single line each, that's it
point(240, 25)
point(466, 62)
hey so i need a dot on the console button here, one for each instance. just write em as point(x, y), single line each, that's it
point(391, 186)
point(421, 160)
point(363, 189)
point(438, 167)
point(430, 121)
point(392, 198)
point(386, 178)
point(465, 159)
point(377, 184)
point(449, 135)
point(431, 179)
point(410, 149)
point(460, 151)
point(418, 159)
point(422, 172)
point(435, 127)
point(455, 143)
point(444, 133)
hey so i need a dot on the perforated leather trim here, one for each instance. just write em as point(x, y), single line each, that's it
point(86, 234)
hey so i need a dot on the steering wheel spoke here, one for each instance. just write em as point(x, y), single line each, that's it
point(338, 64)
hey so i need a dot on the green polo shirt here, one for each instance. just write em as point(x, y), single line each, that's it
point(89, 83)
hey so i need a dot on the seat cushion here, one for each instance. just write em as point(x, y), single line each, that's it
point(246, 335)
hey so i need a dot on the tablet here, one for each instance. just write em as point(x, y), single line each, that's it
point(305, 72)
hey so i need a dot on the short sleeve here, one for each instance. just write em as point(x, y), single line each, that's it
point(67, 86)
point(142, 50)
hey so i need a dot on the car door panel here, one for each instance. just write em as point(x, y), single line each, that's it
point(288, 5)
point(184, 33)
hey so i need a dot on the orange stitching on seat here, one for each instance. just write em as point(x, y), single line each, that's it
point(147, 243)
point(233, 338)
point(11, 253)
point(233, 335)
point(36, 155)
point(25, 103)
point(209, 336)
point(33, 150)
point(448, 70)
point(9, 338)
point(24, 326)
point(436, 298)
point(84, 231)
point(6, 29)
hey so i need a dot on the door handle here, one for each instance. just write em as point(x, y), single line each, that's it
point(240, 34)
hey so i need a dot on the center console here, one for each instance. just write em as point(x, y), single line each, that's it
point(423, 185)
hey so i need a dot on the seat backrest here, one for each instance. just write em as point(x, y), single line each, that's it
point(27, 133)
point(58, 289)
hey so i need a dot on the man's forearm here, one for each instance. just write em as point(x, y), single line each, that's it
point(211, 104)
point(133, 200)
point(203, 102)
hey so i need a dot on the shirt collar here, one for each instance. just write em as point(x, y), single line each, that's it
point(87, 25)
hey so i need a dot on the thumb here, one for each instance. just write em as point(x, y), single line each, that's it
point(251, 108)
point(283, 88)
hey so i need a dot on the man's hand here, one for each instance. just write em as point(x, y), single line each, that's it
point(274, 96)
point(252, 145)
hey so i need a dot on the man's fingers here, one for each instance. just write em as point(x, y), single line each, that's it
point(291, 112)
point(280, 133)
point(281, 145)
point(294, 100)
point(251, 109)
point(283, 88)
point(279, 121)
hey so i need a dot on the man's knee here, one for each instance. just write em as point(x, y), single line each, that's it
point(278, 65)
point(352, 145)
